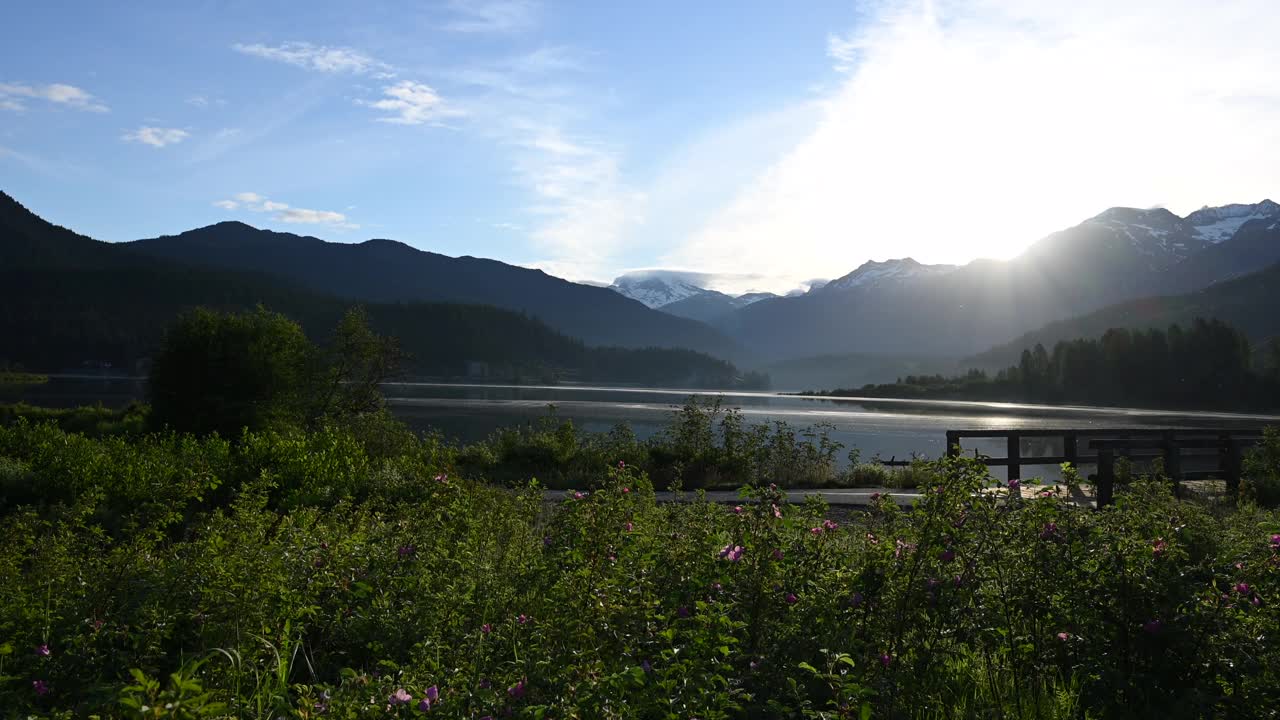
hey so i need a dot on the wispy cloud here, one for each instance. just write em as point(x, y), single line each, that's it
point(411, 103)
point(319, 58)
point(974, 127)
point(14, 95)
point(491, 16)
point(283, 212)
point(156, 136)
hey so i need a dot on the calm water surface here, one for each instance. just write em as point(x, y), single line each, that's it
point(888, 428)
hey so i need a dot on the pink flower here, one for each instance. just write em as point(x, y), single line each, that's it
point(716, 587)
point(40, 686)
point(830, 525)
point(872, 539)
point(621, 464)
point(1242, 588)
point(815, 531)
point(732, 553)
point(777, 555)
point(1064, 636)
point(442, 478)
point(517, 691)
point(1275, 542)
point(433, 693)
point(875, 497)
point(1015, 485)
point(43, 650)
point(776, 512)
point(577, 495)
point(947, 555)
point(737, 509)
point(791, 599)
point(885, 659)
point(629, 526)
point(405, 551)
point(626, 491)
point(522, 619)
point(682, 612)
point(400, 697)
point(1049, 531)
point(486, 628)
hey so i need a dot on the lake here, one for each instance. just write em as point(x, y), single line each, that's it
point(876, 426)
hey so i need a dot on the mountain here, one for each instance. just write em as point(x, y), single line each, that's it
point(871, 274)
point(901, 307)
point(386, 271)
point(657, 288)
point(70, 299)
point(1250, 303)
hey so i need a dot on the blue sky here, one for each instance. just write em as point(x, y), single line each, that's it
point(763, 141)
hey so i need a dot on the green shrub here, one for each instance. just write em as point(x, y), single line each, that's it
point(1261, 482)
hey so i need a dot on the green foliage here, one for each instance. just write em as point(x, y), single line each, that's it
point(321, 573)
point(1208, 364)
point(1261, 482)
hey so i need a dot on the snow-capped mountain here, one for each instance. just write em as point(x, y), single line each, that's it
point(656, 288)
point(751, 298)
point(1216, 224)
point(871, 273)
point(1156, 234)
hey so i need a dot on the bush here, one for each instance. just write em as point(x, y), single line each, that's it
point(1261, 482)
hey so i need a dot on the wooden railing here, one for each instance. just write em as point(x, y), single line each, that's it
point(1171, 445)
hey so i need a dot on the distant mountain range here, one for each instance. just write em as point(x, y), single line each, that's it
point(1125, 266)
point(72, 300)
point(905, 308)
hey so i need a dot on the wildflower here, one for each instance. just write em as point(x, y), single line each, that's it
point(682, 611)
point(1151, 627)
point(1275, 542)
point(629, 526)
point(872, 539)
point(613, 557)
point(875, 497)
point(621, 464)
point(901, 546)
point(1256, 601)
point(424, 705)
point(1015, 486)
point(830, 525)
point(777, 554)
point(646, 667)
point(732, 553)
point(400, 697)
point(1242, 588)
point(486, 628)
point(1049, 530)
point(856, 599)
point(1064, 636)
point(755, 665)
point(957, 581)
point(517, 691)
point(716, 587)
point(626, 491)
point(737, 509)
point(947, 555)
point(442, 478)
point(485, 684)
point(776, 512)
point(577, 495)
point(40, 686)
point(522, 619)
point(791, 599)
point(885, 659)
point(433, 693)
point(815, 531)
point(405, 551)
point(43, 650)
point(1158, 547)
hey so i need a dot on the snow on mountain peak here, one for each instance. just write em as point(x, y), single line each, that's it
point(873, 273)
point(1216, 224)
point(656, 288)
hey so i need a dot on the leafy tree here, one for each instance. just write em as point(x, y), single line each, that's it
point(351, 369)
point(223, 372)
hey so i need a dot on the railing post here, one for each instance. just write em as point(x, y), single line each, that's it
point(1231, 464)
point(1015, 456)
point(1173, 461)
point(1069, 449)
point(1106, 476)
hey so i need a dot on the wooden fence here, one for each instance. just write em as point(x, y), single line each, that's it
point(1172, 445)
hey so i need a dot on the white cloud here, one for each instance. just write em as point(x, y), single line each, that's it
point(320, 58)
point(966, 128)
point(412, 103)
point(491, 16)
point(283, 212)
point(156, 136)
point(13, 94)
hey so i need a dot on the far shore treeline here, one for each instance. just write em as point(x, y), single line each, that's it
point(1208, 365)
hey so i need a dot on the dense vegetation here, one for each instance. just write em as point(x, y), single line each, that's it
point(1207, 365)
point(353, 571)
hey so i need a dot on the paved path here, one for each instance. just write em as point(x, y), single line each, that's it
point(852, 497)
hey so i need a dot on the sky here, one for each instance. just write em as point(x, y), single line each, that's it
point(764, 143)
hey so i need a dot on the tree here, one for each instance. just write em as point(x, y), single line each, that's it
point(351, 369)
point(223, 372)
